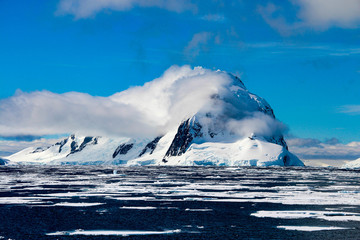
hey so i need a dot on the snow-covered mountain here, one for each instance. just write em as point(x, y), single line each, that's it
point(352, 164)
point(230, 127)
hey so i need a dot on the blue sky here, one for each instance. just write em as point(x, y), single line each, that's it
point(302, 56)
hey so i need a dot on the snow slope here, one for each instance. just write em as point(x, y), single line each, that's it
point(123, 151)
point(230, 127)
point(352, 164)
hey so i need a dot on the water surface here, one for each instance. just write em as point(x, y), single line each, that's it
point(112, 202)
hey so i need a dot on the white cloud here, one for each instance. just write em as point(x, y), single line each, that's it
point(326, 13)
point(276, 21)
point(214, 18)
point(257, 123)
point(198, 43)
point(317, 15)
point(148, 110)
point(308, 148)
point(350, 109)
point(88, 8)
point(304, 142)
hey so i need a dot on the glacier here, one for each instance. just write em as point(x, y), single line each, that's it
point(226, 125)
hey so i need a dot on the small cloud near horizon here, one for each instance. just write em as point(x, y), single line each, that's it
point(331, 149)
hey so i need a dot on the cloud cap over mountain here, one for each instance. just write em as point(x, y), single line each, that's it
point(149, 110)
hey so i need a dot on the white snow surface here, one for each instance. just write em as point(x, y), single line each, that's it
point(230, 126)
point(243, 152)
point(353, 164)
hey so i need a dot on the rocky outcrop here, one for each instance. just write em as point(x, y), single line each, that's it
point(150, 147)
point(122, 149)
point(187, 131)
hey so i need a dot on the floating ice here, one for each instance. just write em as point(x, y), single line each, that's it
point(198, 210)
point(77, 204)
point(112, 232)
point(298, 214)
point(310, 228)
point(139, 208)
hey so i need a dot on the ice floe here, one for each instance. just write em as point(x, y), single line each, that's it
point(310, 228)
point(112, 232)
point(298, 214)
point(139, 208)
point(77, 204)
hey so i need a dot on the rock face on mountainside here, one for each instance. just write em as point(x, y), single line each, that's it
point(233, 128)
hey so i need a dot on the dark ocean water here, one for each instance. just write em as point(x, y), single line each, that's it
point(112, 202)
